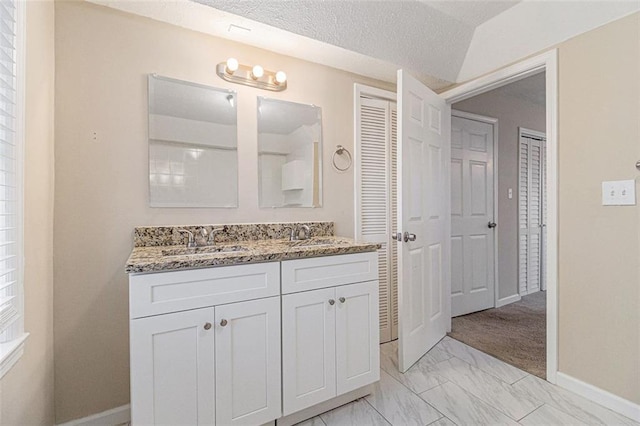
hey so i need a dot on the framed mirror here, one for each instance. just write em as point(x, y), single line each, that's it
point(193, 145)
point(289, 154)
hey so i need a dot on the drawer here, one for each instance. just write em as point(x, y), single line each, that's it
point(164, 292)
point(329, 271)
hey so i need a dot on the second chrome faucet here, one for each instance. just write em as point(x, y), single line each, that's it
point(207, 238)
point(294, 232)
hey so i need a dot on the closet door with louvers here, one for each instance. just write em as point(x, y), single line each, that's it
point(531, 212)
point(376, 199)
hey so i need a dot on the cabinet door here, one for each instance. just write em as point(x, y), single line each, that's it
point(357, 336)
point(172, 375)
point(248, 380)
point(308, 349)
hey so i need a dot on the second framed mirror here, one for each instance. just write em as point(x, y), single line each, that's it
point(289, 154)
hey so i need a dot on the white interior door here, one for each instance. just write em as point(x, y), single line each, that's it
point(472, 216)
point(423, 217)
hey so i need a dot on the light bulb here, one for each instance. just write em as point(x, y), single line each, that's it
point(281, 77)
point(257, 72)
point(232, 65)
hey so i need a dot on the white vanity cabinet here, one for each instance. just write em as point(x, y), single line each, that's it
point(214, 365)
point(253, 343)
point(330, 336)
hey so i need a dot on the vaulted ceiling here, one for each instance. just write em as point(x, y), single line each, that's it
point(440, 42)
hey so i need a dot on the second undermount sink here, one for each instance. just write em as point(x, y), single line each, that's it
point(314, 242)
point(184, 251)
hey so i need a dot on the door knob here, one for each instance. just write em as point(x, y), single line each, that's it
point(331, 301)
point(207, 326)
point(492, 224)
point(397, 236)
point(409, 237)
point(223, 322)
point(342, 300)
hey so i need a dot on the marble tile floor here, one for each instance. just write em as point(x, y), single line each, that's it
point(455, 384)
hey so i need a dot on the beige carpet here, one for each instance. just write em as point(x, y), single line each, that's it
point(515, 333)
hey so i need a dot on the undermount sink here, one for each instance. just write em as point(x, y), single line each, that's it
point(184, 251)
point(313, 242)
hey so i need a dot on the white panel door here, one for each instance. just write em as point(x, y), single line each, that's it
point(308, 349)
point(172, 374)
point(247, 362)
point(357, 336)
point(472, 205)
point(423, 217)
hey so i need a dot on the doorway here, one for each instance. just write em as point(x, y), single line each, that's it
point(509, 327)
point(424, 126)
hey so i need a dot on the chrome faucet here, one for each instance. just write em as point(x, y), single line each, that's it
point(191, 242)
point(212, 235)
point(294, 232)
point(307, 232)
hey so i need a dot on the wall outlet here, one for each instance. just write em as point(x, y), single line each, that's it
point(619, 193)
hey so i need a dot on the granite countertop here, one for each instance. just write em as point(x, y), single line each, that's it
point(171, 258)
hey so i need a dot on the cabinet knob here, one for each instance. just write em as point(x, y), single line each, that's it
point(331, 301)
point(223, 322)
point(342, 300)
point(207, 326)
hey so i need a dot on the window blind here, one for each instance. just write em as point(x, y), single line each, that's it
point(10, 304)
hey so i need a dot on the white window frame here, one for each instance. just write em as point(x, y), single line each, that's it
point(12, 350)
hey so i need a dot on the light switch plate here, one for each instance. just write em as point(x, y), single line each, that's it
point(510, 193)
point(627, 193)
point(619, 193)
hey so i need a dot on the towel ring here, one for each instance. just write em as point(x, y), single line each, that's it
point(339, 151)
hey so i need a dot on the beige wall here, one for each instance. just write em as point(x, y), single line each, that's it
point(599, 247)
point(511, 113)
point(26, 392)
point(102, 61)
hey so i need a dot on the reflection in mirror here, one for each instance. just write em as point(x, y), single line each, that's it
point(193, 148)
point(289, 154)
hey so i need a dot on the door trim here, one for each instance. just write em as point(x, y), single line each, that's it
point(494, 122)
point(547, 62)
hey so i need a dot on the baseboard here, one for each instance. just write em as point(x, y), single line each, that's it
point(600, 396)
point(507, 300)
point(113, 417)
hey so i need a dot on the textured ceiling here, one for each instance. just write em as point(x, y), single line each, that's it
point(471, 13)
point(438, 41)
point(411, 34)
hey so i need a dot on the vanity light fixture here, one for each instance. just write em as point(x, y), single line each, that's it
point(255, 76)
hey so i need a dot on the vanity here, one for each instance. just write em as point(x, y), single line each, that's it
point(254, 329)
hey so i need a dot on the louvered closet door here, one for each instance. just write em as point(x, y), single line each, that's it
point(375, 201)
point(531, 211)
